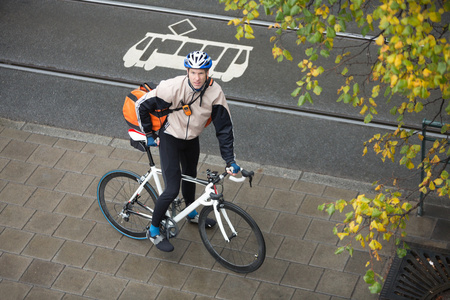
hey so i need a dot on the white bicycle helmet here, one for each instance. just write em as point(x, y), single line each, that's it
point(198, 60)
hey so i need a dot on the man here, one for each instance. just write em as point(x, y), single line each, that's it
point(194, 100)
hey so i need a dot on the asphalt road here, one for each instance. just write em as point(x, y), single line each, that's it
point(93, 39)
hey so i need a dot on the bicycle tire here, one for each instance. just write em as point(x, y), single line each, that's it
point(246, 251)
point(113, 192)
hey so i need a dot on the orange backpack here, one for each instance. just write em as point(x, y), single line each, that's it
point(129, 109)
point(158, 116)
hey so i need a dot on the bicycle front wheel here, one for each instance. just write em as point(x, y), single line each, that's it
point(245, 251)
point(114, 191)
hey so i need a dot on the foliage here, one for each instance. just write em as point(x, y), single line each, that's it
point(412, 63)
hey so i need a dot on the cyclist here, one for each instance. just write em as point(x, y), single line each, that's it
point(201, 100)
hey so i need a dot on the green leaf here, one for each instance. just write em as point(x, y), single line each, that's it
point(301, 100)
point(375, 288)
point(296, 92)
point(325, 53)
point(330, 209)
point(368, 118)
point(369, 277)
point(376, 213)
point(331, 33)
point(294, 10)
point(321, 207)
point(339, 250)
point(317, 37)
point(317, 90)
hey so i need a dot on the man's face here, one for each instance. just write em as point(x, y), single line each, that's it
point(197, 77)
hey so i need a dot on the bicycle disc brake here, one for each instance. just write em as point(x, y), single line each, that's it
point(169, 228)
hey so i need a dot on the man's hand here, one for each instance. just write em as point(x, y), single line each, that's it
point(233, 168)
point(151, 142)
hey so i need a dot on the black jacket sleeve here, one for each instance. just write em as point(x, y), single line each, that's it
point(146, 106)
point(224, 132)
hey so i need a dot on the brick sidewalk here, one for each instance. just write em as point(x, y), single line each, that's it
point(56, 244)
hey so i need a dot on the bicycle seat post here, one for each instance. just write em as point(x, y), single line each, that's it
point(149, 155)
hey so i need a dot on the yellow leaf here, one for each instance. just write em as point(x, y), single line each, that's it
point(375, 245)
point(341, 235)
point(435, 160)
point(380, 40)
point(432, 186)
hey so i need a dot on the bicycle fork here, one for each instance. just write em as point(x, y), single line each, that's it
point(219, 212)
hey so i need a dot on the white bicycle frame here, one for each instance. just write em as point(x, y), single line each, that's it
point(204, 199)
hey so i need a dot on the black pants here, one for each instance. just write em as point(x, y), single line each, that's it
point(177, 157)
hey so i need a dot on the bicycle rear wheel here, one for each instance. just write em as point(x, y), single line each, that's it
point(246, 250)
point(114, 191)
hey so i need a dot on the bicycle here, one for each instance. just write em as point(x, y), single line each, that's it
point(127, 201)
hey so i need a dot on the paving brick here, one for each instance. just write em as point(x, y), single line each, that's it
point(338, 193)
point(99, 150)
point(18, 150)
point(324, 257)
point(136, 291)
point(310, 204)
point(45, 177)
point(337, 283)
point(291, 225)
point(42, 272)
point(273, 291)
point(229, 290)
point(103, 235)
point(105, 261)
point(11, 194)
point(43, 247)
point(70, 144)
point(303, 294)
point(42, 139)
point(272, 270)
point(174, 294)
point(308, 187)
point(204, 282)
point(74, 205)
point(420, 226)
point(286, 201)
point(322, 231)
point(13, 290)
point(276, 182)
point(255, 196)
point(197, 255)
point(43, 199)
point(441, 231)
point(46, 156)
point(302, 276)
point(133, 246)
point(105, 287)
point(17, 171)
point(12, 266)
point(74, 161)
point(362, 291)
point(125, 154)
point(39, 293)
point(265, 218)
point(273, 243)
point(138, 267)
point(100, 165)
point(74, 183)
point(73, 280)
point(296, 250)
point(14, 133)
point(171, 275)
point(74, 229)
point(15, 216)
point(74, 254)
point(44, 222)
point(13, 240)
